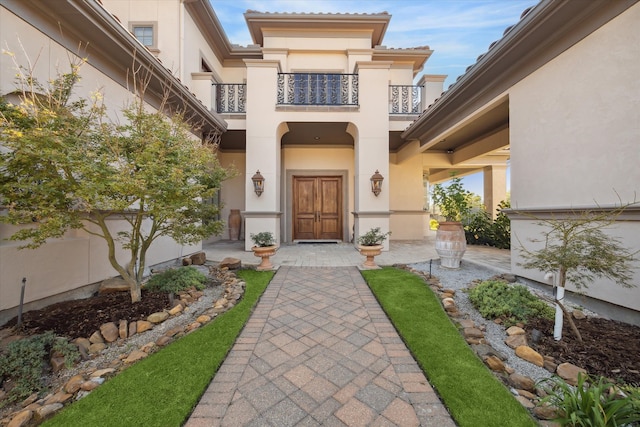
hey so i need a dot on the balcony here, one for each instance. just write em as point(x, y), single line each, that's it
point(231, 98)
point(323, 89)
point(309, 89)
point(405, 99)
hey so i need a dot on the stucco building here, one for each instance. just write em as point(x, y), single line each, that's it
point(318, 105)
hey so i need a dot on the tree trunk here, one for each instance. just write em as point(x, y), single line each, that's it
point(136, 293)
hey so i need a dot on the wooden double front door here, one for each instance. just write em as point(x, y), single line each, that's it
point(317, 208)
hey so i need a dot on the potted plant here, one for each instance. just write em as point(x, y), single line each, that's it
point(370, 245)
point(264, 247)
point(453, 202)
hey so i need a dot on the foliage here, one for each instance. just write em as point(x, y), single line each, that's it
point(25, 360)
point(472, 395)
point(373, 237)
point(577, 248)
point(176, 279)
point(453, 200)
point(479, 229)
point(164, 388)
point(263, 239)
point(512, 303)
point(593, 402)
point(66, 166)
point(433, 224)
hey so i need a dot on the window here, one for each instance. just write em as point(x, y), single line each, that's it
point(144, 35)
point(146, 32)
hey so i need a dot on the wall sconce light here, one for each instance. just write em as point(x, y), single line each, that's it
point(258, 182)
point(376, 183)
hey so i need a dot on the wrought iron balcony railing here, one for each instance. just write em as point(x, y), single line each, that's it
point(317, 89)
point(231, 98)
point(405, 99)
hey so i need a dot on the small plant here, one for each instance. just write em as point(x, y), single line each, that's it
point(263, 239)
point(512, 303)
point(593, 402)
point(176, 280)
point(25, 360)
point(453, 200)
point(373, 237)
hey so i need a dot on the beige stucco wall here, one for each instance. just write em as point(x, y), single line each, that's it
point(574, 131)
point(78, 259)
point(406, 191)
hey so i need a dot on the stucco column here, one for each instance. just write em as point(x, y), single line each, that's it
point(372, 148)
point(495, 187)
point(262, 213)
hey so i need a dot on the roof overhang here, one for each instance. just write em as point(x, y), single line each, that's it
point(112, 49)
point(229, 54)
point(259, 22)
point(543, 33)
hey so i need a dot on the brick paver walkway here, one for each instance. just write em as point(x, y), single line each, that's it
point(319, 350)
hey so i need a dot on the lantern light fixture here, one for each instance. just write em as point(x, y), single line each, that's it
point(376, 183)
point(258, 182)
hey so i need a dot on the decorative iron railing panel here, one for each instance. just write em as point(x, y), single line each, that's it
point(317, 89)
point(405, 99)
point(231, 98)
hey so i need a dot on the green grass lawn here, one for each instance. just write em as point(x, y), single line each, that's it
point(471, 393)
point(163, 389)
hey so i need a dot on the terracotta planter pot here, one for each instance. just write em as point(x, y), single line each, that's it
point(370, 252)
point(264, 252)
point(450, 244)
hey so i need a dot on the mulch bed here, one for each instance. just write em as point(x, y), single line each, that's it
point(610, 349)
point(81, 318)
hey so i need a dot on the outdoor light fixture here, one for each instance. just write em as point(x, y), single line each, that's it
point(258, 182)
point(376, 183)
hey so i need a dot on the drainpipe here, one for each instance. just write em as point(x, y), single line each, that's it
point(558, 296)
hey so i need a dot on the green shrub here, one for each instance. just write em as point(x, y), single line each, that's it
point(176, 280)
point(25, 361)
point(593, 402)
point(479, 229)
point(513, 303)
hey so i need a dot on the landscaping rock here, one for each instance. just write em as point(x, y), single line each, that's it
point(530, 355)
point(57, 364)
point(545, 412)
point(448, 302)
point(29, 400)
point(485, 350)
point(157, 317)
point(82, 343)
point(74, 383)
point(203, 319)
point(22, 419)
point(96, 337)
point(143, 325)
point(521, 382)
point(472, 333)
point(569, 372)
point(135, 356)
point(115, 284)
point(494, 363)
point(163, 340)
point(467, 323)
point(525, 402)
point(97, 347)
point(174, 331)
point(102, 372)
point(578, 315)
point(231, 263)
point(89, 385)
point(177, 309)
point(133, 328)
point(109, 331)
point(515, 330)
point(59, 397)
point(516, 341)
point(47, 410)
point(186, 262)
point(199, 258)
point(123, 329)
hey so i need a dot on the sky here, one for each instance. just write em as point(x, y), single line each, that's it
point(458, 31)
